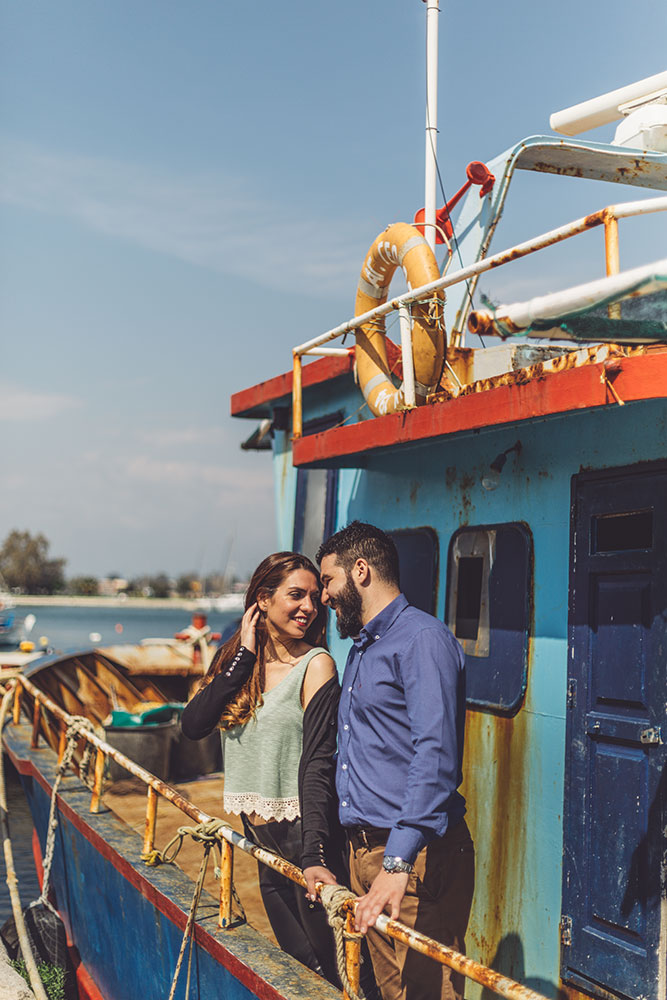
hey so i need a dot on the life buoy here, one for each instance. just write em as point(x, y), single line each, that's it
point(400, 245)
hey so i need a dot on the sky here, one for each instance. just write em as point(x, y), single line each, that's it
point(188, 190)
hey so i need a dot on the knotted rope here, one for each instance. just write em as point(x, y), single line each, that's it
point(333, 899)
point(76, 725)
point(207, 834)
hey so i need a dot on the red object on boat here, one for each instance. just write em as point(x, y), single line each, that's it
point(477, 173)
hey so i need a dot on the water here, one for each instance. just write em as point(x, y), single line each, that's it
point(70, 628)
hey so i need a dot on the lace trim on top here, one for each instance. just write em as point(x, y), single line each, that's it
point(251, 802)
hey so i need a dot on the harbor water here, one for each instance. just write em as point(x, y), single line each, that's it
point(70, 627)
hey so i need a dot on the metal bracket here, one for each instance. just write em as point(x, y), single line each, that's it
point(566, 931)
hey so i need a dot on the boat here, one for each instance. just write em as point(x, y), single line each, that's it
point(10, 625)
point(525, 487)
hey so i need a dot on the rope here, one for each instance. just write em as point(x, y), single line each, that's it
point(207, 834)
point(76, 724)
point(333, 898)
point(12, 881)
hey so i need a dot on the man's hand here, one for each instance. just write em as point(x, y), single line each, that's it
point(386, 892)
point(316, 873)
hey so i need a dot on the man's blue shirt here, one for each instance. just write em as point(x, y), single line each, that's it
point(400, 729)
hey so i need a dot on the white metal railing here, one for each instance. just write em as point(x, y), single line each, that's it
point(607, 217)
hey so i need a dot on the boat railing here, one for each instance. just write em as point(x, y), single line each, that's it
point(608, 217)
point(229, 839)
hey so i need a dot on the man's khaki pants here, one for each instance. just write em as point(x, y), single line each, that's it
point(436, 903)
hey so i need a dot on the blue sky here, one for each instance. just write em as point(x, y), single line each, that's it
point(188, 190)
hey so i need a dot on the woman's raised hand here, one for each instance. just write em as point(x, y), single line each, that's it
point(249, 627)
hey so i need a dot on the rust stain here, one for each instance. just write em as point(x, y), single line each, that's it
point(450, 476)
point(497, 748)
point(468, 482)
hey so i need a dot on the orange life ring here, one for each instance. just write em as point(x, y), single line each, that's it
point(400, 245)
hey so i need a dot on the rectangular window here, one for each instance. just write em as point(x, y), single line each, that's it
point(316, 490)
point(622, 532)
point(418, 565)
point(489, 579)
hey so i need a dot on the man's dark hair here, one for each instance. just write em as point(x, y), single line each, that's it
point(363, 541)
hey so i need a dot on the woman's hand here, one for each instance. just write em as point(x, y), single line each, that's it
point(249, 628)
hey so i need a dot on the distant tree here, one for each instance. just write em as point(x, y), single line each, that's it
point(184, 584)
point(83, 586)
point(25, 565)
point(160, 585)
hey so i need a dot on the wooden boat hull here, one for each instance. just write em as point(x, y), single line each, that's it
point(125, 920)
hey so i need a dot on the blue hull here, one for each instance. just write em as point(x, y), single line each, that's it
point(126, 920)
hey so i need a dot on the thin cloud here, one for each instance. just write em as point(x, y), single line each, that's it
point(207, 220)
point(25, 404)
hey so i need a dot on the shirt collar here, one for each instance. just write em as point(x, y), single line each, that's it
point(382, 622)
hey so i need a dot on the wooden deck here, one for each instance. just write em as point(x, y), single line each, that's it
point(127, 799)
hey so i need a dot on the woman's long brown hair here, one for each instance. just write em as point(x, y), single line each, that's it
point(265, 580)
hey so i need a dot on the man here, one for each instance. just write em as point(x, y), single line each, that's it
point(400, 747)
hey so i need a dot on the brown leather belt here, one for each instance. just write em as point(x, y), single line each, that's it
point(366, 836)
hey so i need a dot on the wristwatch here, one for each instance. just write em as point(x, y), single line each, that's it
point(392, 864)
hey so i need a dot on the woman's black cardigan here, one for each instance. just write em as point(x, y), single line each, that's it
point(323, 838)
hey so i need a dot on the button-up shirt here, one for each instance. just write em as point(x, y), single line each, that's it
point(400, 729)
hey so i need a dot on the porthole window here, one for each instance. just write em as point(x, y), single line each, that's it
point(489, 580)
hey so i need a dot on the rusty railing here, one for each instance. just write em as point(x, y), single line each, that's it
point(230, 839)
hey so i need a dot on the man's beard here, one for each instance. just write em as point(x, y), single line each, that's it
point(347, 606)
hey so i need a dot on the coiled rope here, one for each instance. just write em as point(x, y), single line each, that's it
point(333, 899)
point(207, 834)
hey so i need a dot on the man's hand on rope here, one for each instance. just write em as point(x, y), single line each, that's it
point(386, 893)
point(317, 873)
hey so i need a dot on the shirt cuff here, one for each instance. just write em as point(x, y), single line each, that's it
point(405, 844)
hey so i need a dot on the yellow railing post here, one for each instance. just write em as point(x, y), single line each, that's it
point(18, 691)
point(97, 782)
point(612, 257)
point(62, 741)
point(226, 878)
point(297, 398)
point(36, 712)
point(151, 820)
point(352, 954)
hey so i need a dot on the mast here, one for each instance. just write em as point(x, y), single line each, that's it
point(432, 12)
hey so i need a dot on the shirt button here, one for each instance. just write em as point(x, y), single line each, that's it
point(346, 727)
point(377, 636)
point(350, 688)
point(343, 803)
point(344, 766)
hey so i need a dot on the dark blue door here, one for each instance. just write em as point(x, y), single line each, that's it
point(615, 817)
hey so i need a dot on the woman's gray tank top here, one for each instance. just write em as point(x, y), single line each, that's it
point(261, 759)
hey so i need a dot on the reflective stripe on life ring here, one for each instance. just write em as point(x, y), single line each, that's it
point(400, 245)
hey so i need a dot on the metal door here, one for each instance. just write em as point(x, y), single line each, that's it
point(614, 858)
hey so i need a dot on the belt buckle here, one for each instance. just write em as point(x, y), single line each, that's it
point(363, 836)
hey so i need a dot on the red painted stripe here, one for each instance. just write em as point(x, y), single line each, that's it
point(245, 975)
point(641, 377)
point(248, 400)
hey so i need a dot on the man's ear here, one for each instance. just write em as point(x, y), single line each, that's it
point(361, 572)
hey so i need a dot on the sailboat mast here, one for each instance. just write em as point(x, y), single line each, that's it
point(432, 12)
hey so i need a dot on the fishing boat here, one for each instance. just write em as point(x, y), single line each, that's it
point(525, 486)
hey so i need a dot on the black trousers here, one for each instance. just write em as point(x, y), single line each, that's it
point(301, 927)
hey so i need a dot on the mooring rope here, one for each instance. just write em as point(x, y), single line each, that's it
point(333, 899)
point(12, 881)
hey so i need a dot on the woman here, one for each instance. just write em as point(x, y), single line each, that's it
point(273, 691)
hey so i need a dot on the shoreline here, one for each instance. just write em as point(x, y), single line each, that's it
point(63, 600)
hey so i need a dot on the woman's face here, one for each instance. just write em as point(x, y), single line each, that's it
point(293, 606)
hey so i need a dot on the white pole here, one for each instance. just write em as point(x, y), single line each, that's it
point(432, 12)
point(406, 351)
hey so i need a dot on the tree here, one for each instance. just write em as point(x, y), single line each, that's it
point(25, 565)
point(84, 586)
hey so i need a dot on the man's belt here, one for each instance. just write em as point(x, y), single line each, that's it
point(366, 836)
